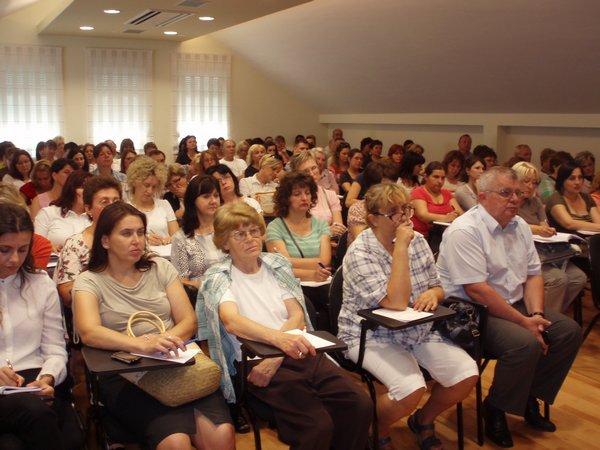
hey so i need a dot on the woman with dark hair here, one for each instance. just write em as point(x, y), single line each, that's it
point(395, 154)
point(78, 157)
point(33, 346)
point(410, 168)
point(193, 250)
point(569, 209)
point(99, 191)
point(229, 186)
point(126, 145)
point(41, 181)
point(66, 215)
point(296, 234)
point(339, 160)
point(61, 169)
point(88, 152)
point(40, 151)
point(19, 171)
point(454, 166)
point(127, 157)
point(122, 279)
point(467, 195)
point(355, 162)
point(188, 147)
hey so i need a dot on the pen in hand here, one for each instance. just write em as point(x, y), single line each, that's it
point(17, 378)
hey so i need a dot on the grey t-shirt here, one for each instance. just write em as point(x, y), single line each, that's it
point(117, 302)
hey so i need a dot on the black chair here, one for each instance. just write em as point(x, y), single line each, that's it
point(594, 248)
point(335, 304)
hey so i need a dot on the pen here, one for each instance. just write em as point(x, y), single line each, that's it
point(321, 265)
point(8, 363)
point(191, 341)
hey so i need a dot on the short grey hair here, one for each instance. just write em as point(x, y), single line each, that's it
point(487, 180)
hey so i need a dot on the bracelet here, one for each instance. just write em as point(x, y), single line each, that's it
point(536, 313)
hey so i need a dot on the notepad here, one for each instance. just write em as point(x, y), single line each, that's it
point(8, 390)
point(558, 237)
point(408, 315)
point(316, 341)
point(161, 250)
point(315, 283)
point(181, 359)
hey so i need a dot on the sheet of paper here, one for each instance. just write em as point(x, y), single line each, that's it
point(407, 315)
point(315, 283)
point(558, 237)
point(587, 233)
point(7, 390)
point(316, 341)
point(161, 250)
point(443, 224)
point(181, 359)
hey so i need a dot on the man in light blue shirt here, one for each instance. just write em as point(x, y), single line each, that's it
point(488, 255)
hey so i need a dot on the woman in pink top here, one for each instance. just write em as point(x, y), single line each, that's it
point(433, 203)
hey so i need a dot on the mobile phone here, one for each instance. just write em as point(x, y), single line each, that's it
point(125, 357)
point(546, 337)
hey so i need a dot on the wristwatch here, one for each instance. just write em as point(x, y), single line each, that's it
point(536, 313)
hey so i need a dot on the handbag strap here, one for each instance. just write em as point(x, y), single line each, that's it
point(144, 316)
point(292, 236)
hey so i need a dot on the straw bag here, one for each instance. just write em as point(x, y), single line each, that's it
point(176, 385)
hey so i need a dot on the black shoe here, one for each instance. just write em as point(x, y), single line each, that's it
point(534, 419)
point(496, 428)
point(241, 425)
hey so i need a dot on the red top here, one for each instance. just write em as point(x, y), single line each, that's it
point(41, 250)
point(421, 193)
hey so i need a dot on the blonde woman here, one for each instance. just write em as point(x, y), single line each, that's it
point(255, 153)
point(262, 185)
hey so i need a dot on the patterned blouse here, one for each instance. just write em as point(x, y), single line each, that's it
point(193, 256)
point(73, 259)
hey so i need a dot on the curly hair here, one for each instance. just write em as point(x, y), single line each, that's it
point(287, 185)
point(141, 168)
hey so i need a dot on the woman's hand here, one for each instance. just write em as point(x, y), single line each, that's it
point(47, 390)
point(8, 377)
point(322, 273)
point(545, 231)
point(427, 301)
point(156, 239)
point(337, 229)
point(56, 248)
point(404, 234)
point(161, 343)
point(296, 346)
point(450, 216)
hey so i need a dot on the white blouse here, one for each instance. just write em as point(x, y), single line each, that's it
point(52, 225)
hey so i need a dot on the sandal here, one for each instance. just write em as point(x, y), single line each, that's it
point(384, 443)
point(424, 443)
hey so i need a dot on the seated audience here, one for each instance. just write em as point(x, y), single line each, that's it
point(339, 160)
point(98, 192)
point(105, 155)
point(255, 295)
point(569, 209)
point(88, 152)
point(454, 167)
point(176, 186)
point(241, 150)
point(467, 194)
point(33, 346)
point(262, 185)
point(326, 178)
point(237, 165)
point(433, 203)
point(562, 282)
point(388, 265)
point(355, 163)
point(255, 154)
point(359, 187)
point(158, 156)
point(66, 216)
point(78, 157)
point(464, 144)
point(587, 161)
point(296, 233)
point(41, 247)
point(41, 181)
point(127, 157)
point(395, 154)
point(20, 168)
point(595, 189)
point(327, 207)
point(188, 147)
point(122, 279)
point(193, 250)
point(61, 169)
point(523, 151)
point(146, 178)
point(410, 170)
point(229, 187)
point(488, 255)
point(547, 186)
point(487, 154)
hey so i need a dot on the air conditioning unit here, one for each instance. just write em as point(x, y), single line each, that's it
point(156, 19)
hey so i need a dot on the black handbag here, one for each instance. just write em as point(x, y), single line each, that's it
point(463, 327)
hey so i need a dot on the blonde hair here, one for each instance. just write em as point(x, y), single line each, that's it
point(525, 169)
point(230, 217)
point(176, 169)
point(270, 161)
point(10, 194)
point(251, 151)
point(301, 158)
point(141, 168)
point(384, 195)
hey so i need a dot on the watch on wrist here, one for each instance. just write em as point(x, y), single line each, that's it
point(537, 313)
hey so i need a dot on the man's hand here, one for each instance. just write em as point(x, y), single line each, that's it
point(262, 373)
point(537, 325)
point(295, 346)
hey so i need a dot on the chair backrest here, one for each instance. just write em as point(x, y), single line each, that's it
point(595, 268)
point(311, 311)
point(340, 251)
point(336, 296)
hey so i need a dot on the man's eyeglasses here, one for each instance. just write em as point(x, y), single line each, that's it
point(405, 213)
point(508, 193)
point(240, 235)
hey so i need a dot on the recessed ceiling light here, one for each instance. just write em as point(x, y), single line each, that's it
point(170, 33)
point(112, 11)
point(206, 18)
point(86, 28)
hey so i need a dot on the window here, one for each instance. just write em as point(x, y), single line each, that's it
point(31, 94)
point(119, 86)
point(201, 96)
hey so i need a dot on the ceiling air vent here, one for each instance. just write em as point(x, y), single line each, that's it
point(130, 31)
point(154, 18)
point(192, 3)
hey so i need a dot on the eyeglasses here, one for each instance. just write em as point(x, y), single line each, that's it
point(240, 235)
point(405, 213)
point(508, 193)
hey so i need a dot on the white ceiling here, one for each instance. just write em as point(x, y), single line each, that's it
point(403, 56)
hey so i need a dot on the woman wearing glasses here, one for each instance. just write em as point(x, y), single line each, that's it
point(391, 266)
point(256, 296)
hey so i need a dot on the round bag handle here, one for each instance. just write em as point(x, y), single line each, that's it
point(145, 316)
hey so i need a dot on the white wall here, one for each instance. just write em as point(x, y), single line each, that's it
point(439, 133)
point(259, 107)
